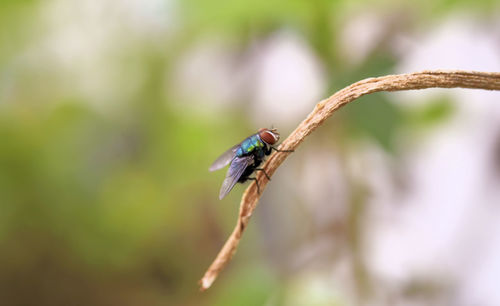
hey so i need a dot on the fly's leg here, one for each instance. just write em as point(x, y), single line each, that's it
point(256, 182)
point(278, 150)
point(265, 173)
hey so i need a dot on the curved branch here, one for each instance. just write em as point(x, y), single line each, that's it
point(323, 110)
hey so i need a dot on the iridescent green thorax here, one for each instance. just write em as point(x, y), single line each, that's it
point(249, 145)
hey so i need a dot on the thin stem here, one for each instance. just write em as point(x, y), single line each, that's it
point(322, 111)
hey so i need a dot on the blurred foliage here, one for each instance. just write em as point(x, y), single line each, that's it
point(432, 113)
point(375, 117)
point(113, 205)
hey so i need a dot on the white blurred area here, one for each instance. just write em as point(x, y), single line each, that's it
point(443, 229)
point(87, 42)
point(277, 80)
point(436, 242)
point(444, 226)
point(289, 80)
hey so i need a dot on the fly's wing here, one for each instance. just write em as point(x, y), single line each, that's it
point(224, 159)
point(235, 171)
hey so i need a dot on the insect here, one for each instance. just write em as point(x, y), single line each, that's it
point(245, 158)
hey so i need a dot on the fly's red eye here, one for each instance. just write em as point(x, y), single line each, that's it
point(269, 137)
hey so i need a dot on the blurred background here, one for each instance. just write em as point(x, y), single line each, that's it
point(112, 111)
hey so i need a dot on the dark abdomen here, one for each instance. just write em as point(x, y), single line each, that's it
point(249, 170)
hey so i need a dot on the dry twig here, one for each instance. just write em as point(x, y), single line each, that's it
point(323, 110)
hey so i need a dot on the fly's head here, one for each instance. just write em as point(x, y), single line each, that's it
point(269, 136)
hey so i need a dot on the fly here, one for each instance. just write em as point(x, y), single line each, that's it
point(245, 158)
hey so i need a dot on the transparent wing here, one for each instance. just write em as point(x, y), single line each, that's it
point(235, 171)
point(224, 159)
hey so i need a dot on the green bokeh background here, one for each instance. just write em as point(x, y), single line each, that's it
point(106, 200)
